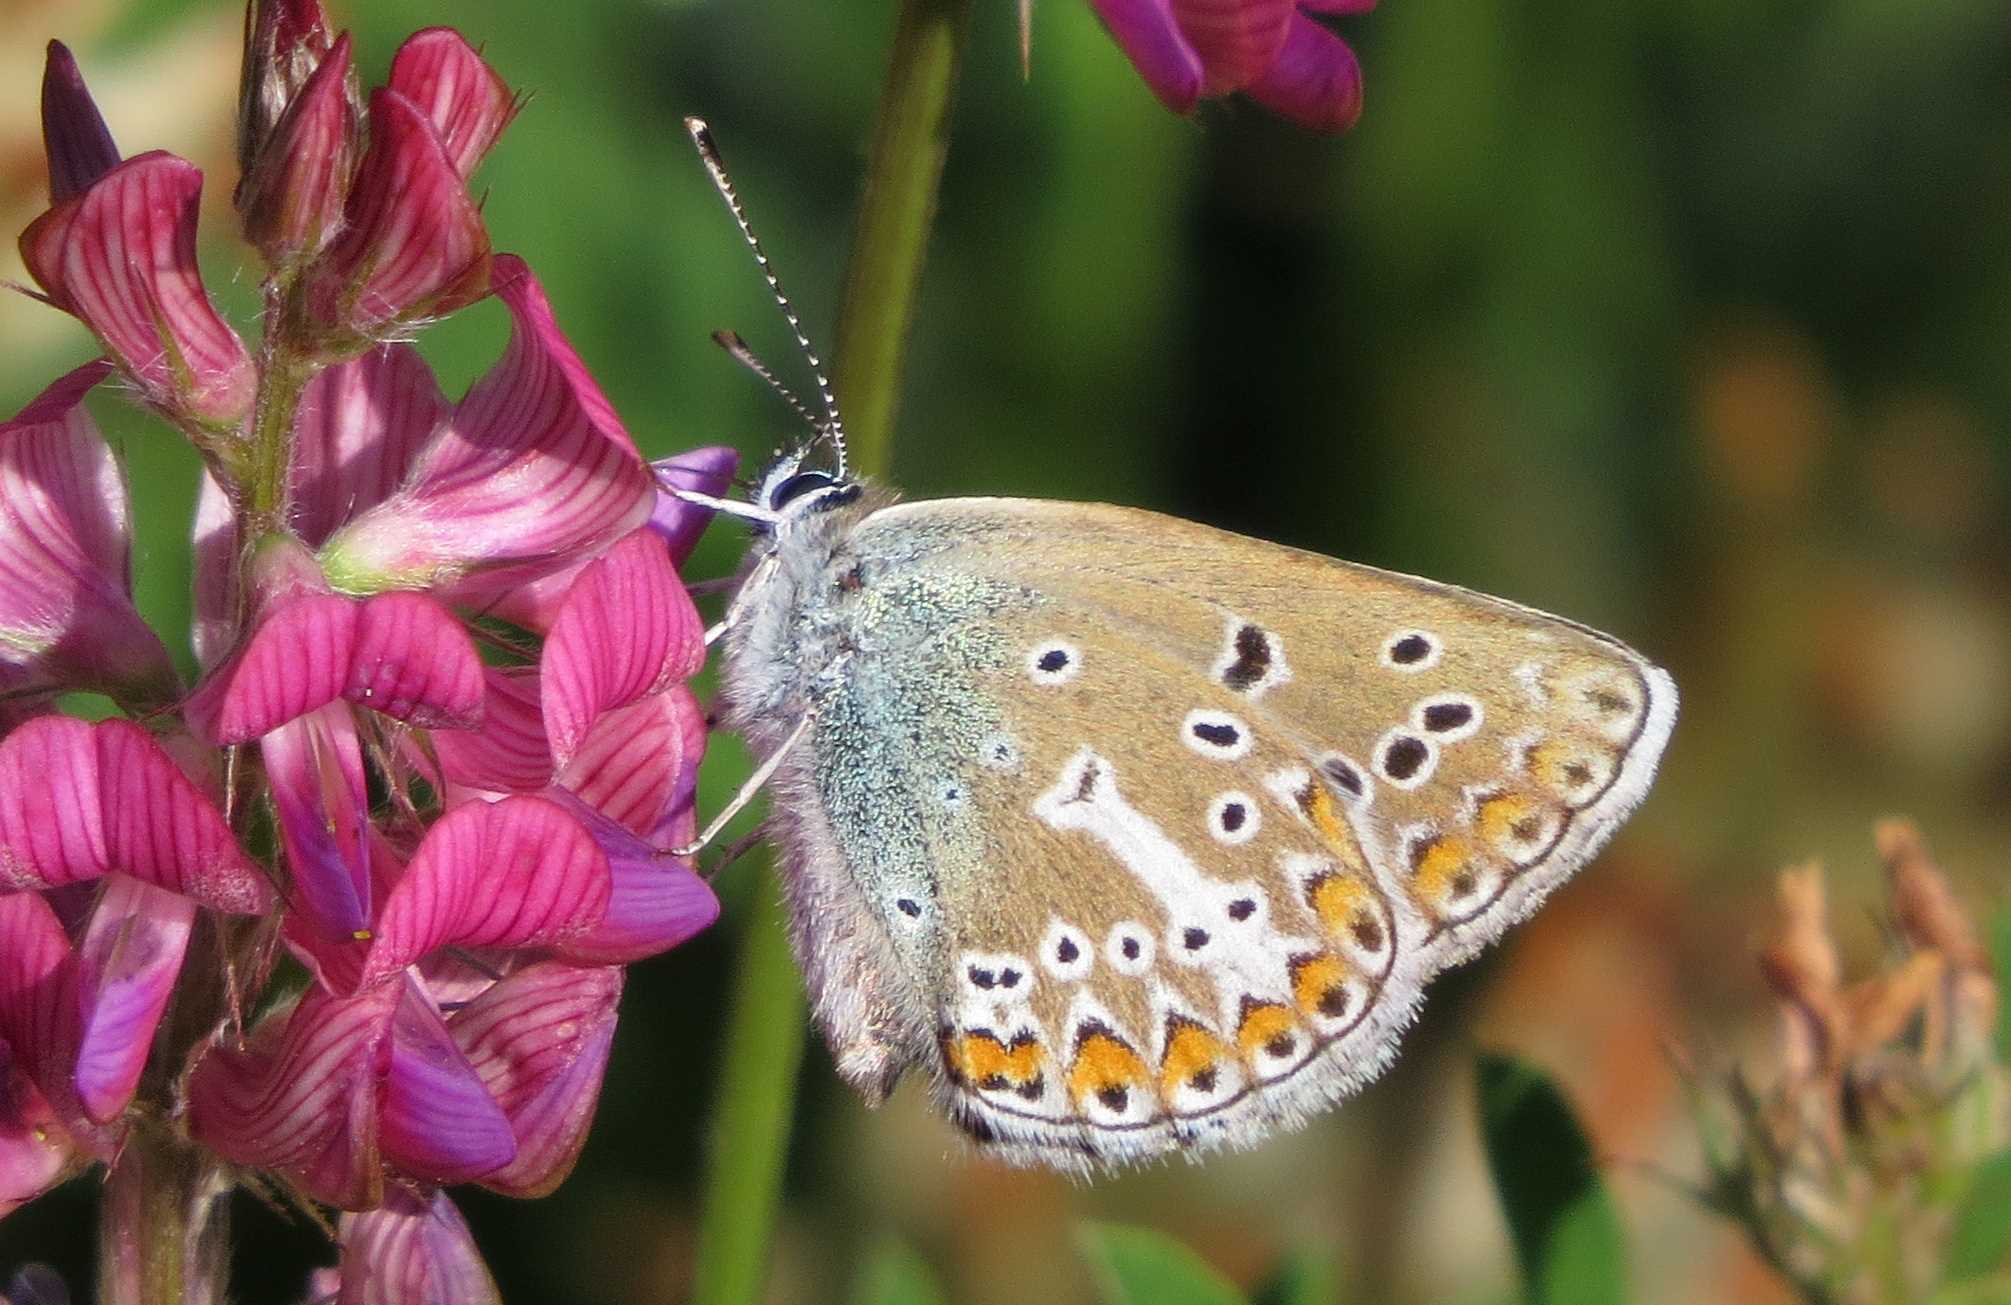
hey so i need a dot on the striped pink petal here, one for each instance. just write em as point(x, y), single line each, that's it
point(521, 872)
point(1147, 33)
point(302, 1098)
point(35, 1152)
point(401, 654)
point(657, 901)
point(314, 770)
point(74, 135)
point(539, 1040)
point(1314, 80)
point(439, 1122)
point(79, 800)
point(627, 629)
point(533, 470)
point(122, 257)
point(126, 966)
point(507, 753)
point(360, 428)
point(284, 42)
point(413, 1250)
point(1337, 6)
point(638, 760)
point(1235, 39)
point(34, 984)
point(708, 471)
point(412, 245)
point(469, 104)
point(215, 544)
point(66, 614)
point(292, 197)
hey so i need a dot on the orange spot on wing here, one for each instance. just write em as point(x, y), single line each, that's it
point(984, 1061)
point(1318, 804)
point(1105, 1066)
point(1444, 869)
point(1319, 984)
point(1263, 1023)
point(1191, 1052)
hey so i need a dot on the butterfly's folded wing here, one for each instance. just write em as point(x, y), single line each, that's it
point(1216, 810)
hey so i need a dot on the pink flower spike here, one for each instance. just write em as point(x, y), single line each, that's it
point(413, 245)
point(539, 1039)
point(292, 199)
point(439, 1122)
point(657, 901)
point(35, 1152)
point(414, 1250)
point(638, 760)
point(708, 471)
point(127, 964)
point(122, 258)
point(79, 800)
point(74, 134)
point(469, 104)
point(66, 613)
point(1315, 80)
point(627, 629)
point(401, 654)
point(1149, 36)
point(302, 1098)
point(361, 427)
point(314, 765)
point(521, 872)
point(533, 470)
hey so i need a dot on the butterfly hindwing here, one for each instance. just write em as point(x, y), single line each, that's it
point(1145, 836)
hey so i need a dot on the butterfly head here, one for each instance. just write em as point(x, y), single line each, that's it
point(790, 490)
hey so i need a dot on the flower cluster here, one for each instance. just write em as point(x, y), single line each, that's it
point(1273, 51)
point(1848, 1171)
point(351, 910)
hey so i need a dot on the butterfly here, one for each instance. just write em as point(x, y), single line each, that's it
point(1133, 836)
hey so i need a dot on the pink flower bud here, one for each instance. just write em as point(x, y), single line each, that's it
point(74, 134)
point(1268, 49)
point(292, 198)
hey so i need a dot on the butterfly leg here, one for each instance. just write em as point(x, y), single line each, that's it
point(748, 791)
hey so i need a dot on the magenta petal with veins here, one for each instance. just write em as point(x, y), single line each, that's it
point(126, 966)
point(121, 256)
point(413, 1250)
point(627, 629)
point(521, 872)
point(79, 800)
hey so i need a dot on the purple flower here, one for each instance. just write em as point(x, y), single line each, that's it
point(1269, 50)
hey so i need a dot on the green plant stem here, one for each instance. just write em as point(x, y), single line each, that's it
point(754, 1107)
point(911, 136)
point(163, 1236)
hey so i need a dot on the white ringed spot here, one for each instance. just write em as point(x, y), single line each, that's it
point(1252, 660)
point(990, 976)
point(1053, 661)
point(1216, 734)
point(1412, 650)
point(1347, 776)
point(1447, 717)
point(1129, 948)
point(1405, 759)
point(1233, 818)
point(1066, 952)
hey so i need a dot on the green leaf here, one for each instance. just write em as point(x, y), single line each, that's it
point(1567, 1234)
point(1982, 1231)
point(895, 1275)
point(1305, 1277)
point(1137, 1266)
point(2000, 951)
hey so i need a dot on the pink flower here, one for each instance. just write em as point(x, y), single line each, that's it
point(462, 850)
point(1270, 50)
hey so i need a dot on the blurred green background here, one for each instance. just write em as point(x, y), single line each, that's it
point(1688, 318)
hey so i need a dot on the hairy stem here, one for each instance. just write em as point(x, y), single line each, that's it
point(163, 1235)
point(765, 1039)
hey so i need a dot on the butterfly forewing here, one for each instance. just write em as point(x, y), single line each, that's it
point(1166, 827)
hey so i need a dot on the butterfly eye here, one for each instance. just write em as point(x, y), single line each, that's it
point(796, 486)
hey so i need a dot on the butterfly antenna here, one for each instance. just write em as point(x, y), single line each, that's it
point(736, 348)
point(833, 426)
